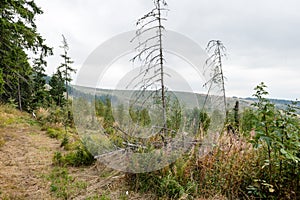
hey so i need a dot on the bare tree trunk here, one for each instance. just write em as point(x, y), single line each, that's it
point(163, 99)
point(151, 56)
point(67, 93)
point(19, 95)
point(222, 75)
point(217, 76)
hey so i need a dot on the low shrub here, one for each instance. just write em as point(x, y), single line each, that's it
point(55, 133)
point(78, 157)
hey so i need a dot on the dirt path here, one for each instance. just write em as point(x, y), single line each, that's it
point(25, 157)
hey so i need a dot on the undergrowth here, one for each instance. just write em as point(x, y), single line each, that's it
point(232, 170)
point(78, 157)
point(222, 171)
point(73, 152)
point(258, 160)
point(63, 185)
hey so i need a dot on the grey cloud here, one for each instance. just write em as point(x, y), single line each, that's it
point(258, 33)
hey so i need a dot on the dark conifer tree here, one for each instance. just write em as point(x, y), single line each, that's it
point(57, 88)
point(39, 93)
point(65, 67)
point(18, 36)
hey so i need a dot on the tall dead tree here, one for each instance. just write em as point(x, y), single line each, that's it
point(150, 55)
point(214, 62)
point(65, 66)
point(66, 70)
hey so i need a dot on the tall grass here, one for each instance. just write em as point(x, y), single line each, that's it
point(233, 169)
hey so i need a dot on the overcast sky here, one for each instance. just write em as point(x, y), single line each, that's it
point(262, 36)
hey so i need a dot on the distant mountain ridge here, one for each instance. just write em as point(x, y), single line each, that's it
point(243, 102)
point(279, 103)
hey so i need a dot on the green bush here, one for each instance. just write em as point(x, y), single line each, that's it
point(55, 133)
point(170, 187)
point(65, 142)
point(277, 134)
point(52, 133)
point(78, 157)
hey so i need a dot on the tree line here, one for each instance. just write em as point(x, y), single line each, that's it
point(22, 77)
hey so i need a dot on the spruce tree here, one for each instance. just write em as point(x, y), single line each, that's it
point(57, 89)
point(1, 82)
point(18, 37)
point(65, 67)
point(39, 93)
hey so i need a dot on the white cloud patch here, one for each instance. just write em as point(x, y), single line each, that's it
point(262, 36)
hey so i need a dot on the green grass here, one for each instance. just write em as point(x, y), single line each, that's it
point(99, 197)
point(78, 157)
point(64, 185)
point(55, 133)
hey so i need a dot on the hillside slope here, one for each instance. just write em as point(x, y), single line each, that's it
point(27, 170)
point(25, 155)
